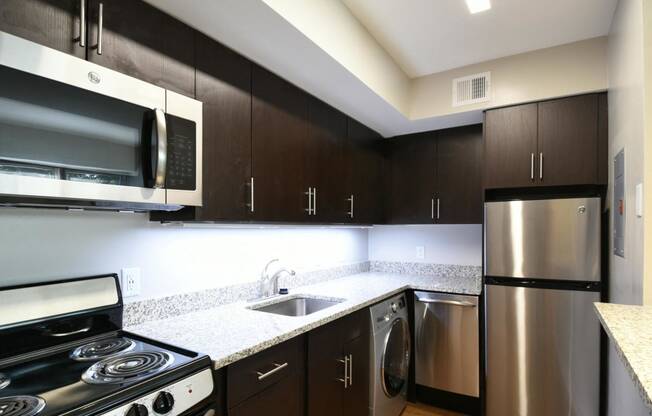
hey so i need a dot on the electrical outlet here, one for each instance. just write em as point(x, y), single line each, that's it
point(421, 252)
point(130, 279)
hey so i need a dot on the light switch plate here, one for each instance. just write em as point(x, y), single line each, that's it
point(130, 280)
point(639, 200)
point(421, 252)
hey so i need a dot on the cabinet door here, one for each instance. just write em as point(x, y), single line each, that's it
point(459, 175)
point(364, 175)
point(356, 396)
point(224, 86)
point(53, 23)
point(139, 40)
point(279, 133)
point(568, 141)
point(325, 162)
point(413, 161)
point(325, 371)
point(285, 398)
point(510, 146)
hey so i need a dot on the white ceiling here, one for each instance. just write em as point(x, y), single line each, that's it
point(429, 36)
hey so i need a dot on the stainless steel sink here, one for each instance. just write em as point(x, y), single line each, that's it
point(299, 306)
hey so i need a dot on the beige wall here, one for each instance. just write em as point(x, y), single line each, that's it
point(627, 125)
point(552, 72)
point(647, 175)
point(332, 27)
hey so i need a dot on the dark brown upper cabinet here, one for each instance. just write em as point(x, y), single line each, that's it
point(57, 24)
point(510, 146)
point(568, 141)
point(363, 203)
point(436, 177)
point(459, 175)
point(551, 143)
point(279, 136)
point(137, 39)
point(325, 162)
point(413, 183)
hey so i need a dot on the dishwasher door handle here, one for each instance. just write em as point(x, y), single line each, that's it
point(447, 302)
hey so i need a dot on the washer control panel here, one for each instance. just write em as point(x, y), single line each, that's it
point(385, 312)
point(172, 400)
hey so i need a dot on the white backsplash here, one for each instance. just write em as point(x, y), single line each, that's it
point(39, 245)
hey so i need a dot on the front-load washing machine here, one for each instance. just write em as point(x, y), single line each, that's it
point(390, 357)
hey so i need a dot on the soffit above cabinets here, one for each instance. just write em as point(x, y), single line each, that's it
point(327, 50)
point(430, 36)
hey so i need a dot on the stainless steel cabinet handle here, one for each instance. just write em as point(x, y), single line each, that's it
point(432, 208)
point(100, 28)
point(447, 302)
point(437, 208)
point(314, 201)
point(531, 166)
point(82, 23)
point(541, 165)
point(309, 193)
point(345, 361)
point(251, 184)
point(351, 206)
point(350, 369)
point(276, 369)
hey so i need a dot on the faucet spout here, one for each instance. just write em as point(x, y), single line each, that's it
point(269, 284)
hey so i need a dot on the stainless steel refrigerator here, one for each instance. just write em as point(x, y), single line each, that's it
point(542, 337)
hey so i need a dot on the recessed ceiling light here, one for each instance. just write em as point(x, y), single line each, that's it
point(477, 6)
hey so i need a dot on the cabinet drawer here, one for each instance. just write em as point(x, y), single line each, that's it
point(251, 375)
point(354, 325)
point(285, 398)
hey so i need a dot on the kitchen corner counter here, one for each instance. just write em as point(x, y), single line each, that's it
point(629, 327)
point(232, 332)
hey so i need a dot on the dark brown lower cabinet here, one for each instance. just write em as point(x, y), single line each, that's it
point(282, 399)
point(338, 367)
point(271, 382)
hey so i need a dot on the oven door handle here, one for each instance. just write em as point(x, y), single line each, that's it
point(160, 153)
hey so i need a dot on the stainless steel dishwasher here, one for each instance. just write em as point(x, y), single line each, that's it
point(447, 342)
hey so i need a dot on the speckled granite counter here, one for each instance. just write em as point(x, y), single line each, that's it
point(630, 329)
point(231, 332)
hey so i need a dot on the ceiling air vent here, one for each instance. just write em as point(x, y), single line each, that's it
point(471, 89)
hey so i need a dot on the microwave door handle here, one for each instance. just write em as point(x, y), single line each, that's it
point(161, 151)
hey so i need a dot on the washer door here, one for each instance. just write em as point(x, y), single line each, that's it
point(395, 358)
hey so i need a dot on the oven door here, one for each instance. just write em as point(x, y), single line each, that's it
point(71, 132)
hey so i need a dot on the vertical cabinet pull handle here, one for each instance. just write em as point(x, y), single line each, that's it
point(437, 208)
point(82, 23)
point(432, 208)
point(531, 166)
point(309, 193)
point(350, 369)
point(345, 380)
point(252, 194)
point(541, 165)
point(314, 201)
point(100, 28)
point(351, 206)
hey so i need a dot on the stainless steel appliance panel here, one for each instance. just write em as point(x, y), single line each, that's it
point(543, 239)
point(447, 342)
point(542, 352)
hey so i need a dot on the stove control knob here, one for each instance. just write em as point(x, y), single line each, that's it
point(163, 403)
point(394, 307)
point(137, 410)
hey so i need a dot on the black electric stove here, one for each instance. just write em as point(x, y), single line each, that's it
point(63, 352)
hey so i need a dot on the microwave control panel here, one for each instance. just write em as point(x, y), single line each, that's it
point(181, 170)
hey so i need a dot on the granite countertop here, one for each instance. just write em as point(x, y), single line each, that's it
point(630, 329)
point(231, 332)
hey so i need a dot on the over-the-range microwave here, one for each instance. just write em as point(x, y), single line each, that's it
point(74, 134)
